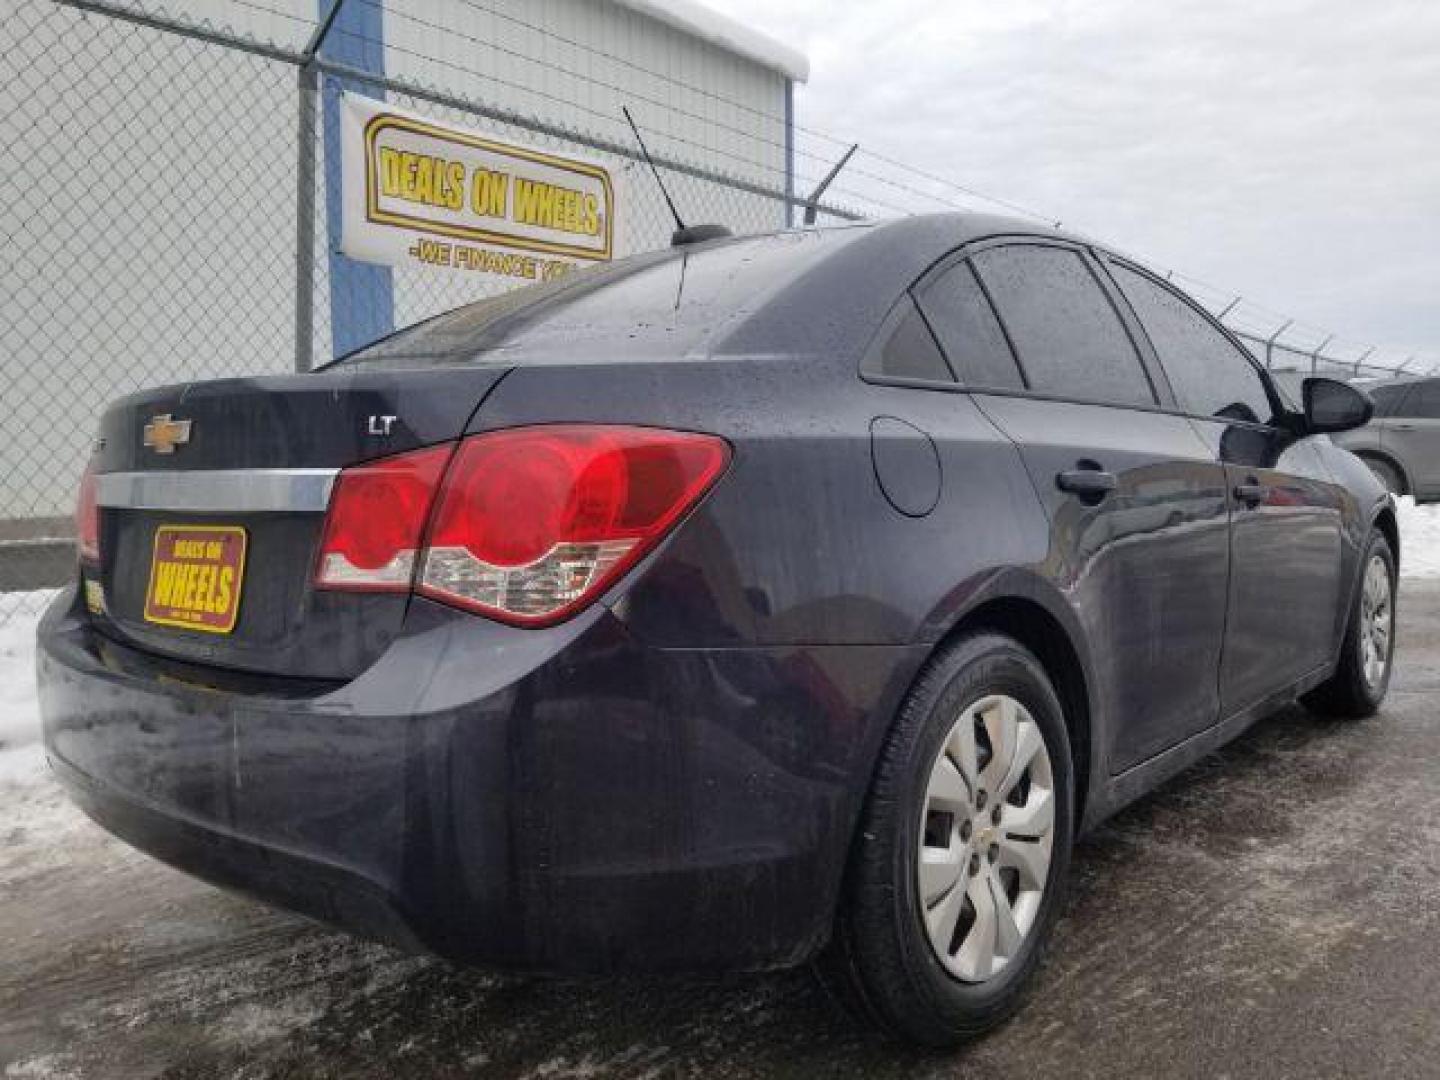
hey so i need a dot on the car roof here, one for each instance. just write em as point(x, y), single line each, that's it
point(833, 308)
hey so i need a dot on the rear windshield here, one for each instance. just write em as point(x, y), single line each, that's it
point(670, 303)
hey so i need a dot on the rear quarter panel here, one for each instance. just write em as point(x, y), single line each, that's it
point(809, 601)
point(797, 543)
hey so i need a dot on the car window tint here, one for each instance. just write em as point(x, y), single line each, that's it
point(1069, 338)
point(1210, 376)
point(965, 323)
point(906, 349)
point(1387, 398)
point(1423, 401)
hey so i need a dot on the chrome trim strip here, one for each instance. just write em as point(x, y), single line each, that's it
point(211, 490)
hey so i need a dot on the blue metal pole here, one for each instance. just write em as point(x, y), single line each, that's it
point(362, 295)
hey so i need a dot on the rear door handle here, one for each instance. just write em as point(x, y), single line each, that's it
point(1251, 493)
point(1091, 485)
point(1402, 427)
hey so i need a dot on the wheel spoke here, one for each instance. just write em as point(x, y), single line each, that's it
point(1001, 725)
point(976, 956)
point(939, 871)
point(940, 920)
point(1030, 858)
point(961, 748)
point(1034, 819)
point(1379, 582)
point(1007, 934)
point(1027, 744)
point(947, 790)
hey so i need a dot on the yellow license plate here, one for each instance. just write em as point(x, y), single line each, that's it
point(195, 576)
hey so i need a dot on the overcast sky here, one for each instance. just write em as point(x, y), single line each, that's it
point(1284, 149)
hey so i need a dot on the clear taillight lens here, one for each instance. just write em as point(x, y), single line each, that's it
point(87, 518)
point(376, 521)
point(534, 523)
point(529, 524)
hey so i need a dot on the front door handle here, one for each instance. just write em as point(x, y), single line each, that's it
point(1091, 485)
point(1251, 493)
point(1402, 427)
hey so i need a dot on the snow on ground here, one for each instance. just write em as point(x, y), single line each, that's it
point(20, 754)
point(21, 757)
point(1419, 539)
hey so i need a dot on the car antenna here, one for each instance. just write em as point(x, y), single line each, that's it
point(683, 234)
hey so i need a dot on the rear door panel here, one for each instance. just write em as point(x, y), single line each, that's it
point(1144, 565)
point(1145, 569)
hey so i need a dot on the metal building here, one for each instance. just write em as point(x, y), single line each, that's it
point(163, 222)
point(705, 89)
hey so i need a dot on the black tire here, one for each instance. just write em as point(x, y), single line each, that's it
point(1349, 692)
point(1387, 474)
point(881, 960)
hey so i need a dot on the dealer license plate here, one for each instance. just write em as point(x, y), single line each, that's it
point(195, 576)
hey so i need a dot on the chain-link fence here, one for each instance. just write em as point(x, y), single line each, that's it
point(120, 269)
point(169, 208)
point(170, 203)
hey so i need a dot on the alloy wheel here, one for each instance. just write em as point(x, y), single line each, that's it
point(1376, 621)
point(986, 837)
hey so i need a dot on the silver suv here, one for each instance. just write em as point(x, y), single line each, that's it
point(1402, 443)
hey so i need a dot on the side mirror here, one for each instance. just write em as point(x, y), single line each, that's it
point(1331, 405)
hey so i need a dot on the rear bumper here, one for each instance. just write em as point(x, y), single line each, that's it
point(566, 800)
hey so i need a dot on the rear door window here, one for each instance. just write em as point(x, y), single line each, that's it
point(1423, 402)
point(1069, 338)
point(1388, 398)
point(962, 318)
point(1209, 374)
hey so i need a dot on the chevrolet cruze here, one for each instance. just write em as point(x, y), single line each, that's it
point(758, 601)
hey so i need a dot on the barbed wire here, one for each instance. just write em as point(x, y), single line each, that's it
point(903, 181)
point(275, 12)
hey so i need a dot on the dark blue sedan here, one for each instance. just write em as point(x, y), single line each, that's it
point(759, 601)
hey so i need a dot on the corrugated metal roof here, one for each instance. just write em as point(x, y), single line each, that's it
point(700, 21)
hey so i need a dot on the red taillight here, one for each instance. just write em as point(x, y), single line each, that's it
point(534, 523)
point(528, 525)
point(377, 519)
point(87, 518)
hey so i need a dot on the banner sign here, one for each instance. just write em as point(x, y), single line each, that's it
point(418, 191)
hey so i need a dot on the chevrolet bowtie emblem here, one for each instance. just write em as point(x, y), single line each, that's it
point(163, 434)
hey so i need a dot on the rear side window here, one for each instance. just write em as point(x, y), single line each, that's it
point(1423, 401)
point(1387, 398)
point(905, 349)
point(1209, 375)
point(1069, 338)
point(965, 323)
